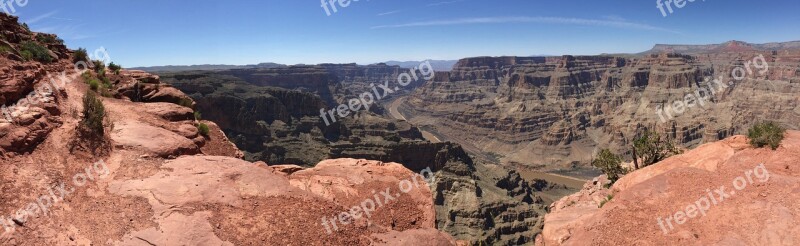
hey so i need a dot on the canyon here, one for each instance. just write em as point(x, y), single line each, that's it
point(537, 121)
point(238, 155)
point(273, 116)
point(554, 113)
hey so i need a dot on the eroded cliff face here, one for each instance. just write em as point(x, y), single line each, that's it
point(555, 112)
point(334, 83)
point(721, 193)
point(474, 201)
point(157, 180)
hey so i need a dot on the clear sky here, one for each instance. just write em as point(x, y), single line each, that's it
point(171, 32)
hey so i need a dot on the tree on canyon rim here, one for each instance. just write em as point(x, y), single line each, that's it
point(651, 148)
point(610, 164)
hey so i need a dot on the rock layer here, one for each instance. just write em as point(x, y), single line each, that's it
point(555, 112)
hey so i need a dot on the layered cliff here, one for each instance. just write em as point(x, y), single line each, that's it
point(555, 112)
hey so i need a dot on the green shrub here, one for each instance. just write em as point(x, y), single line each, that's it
point(652, 148)
point(94, 84)
point(99, 67)
point(106, 82)
point(198, 115)
point(26, 55)
point(86, 76)
point(114, 67)
point(610, 164)
point(608, 199)
point(186, 102)
point(49, 39)
point(80, 55)
point(34, 51)
point(25, 25)
point(94, 114)
point(5, 49)
point(203, 129)
point(766, 133)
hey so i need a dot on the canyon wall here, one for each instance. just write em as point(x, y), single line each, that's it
point(557, 112)
point(276, 119)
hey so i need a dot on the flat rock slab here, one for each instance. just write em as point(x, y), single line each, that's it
point(155, 140)
point(170, 111)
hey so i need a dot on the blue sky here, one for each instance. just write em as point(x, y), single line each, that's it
point(149, 32)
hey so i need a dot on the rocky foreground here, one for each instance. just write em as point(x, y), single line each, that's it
point(155, 179)
point(680, 201)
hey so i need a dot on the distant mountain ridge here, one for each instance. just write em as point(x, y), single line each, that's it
point(438, 65)
point(730, 46)
point(205, 67)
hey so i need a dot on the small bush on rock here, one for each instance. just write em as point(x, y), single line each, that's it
point(766, 133)
point(94, 84)
point(94, 114)
point(114, 67)
point(34, 51)
point(203, 129)
point(99, 67)
point(610, 164)
point(80, 55)
point(186, 102)
point(49, 39)
point(651, 148)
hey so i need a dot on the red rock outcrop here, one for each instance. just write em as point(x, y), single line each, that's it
point(30, 91)
point(677, 201)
